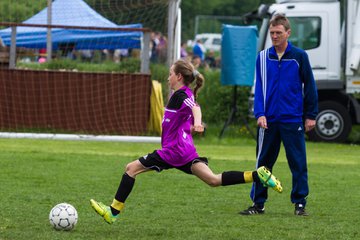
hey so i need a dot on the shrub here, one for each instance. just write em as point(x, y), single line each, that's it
point(127, 65)
point(215, 99)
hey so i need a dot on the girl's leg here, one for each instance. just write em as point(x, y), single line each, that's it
point(202, 171)
point(126, 185)
point(110, 213)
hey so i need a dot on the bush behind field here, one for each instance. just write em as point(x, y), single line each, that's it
point(215, 99)
point(129, 65)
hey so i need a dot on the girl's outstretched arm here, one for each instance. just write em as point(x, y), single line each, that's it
point(198, 127)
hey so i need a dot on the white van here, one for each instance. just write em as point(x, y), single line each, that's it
point(211, 41)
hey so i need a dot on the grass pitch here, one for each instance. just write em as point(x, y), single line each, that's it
point(35, 175)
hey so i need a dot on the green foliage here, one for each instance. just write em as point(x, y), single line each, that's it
point(191, 9)
point(37, 174)
point(61, 64)
point(128, 65)
point(238, 8)
point(160, 72)
point(152, 14)
point(20, 10)
point(217, 100)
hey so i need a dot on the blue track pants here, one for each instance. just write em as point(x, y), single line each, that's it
point(267, 150)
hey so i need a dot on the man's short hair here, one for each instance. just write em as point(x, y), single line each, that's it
point(280, 19)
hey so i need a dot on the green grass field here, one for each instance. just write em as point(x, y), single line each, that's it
point(35, 175)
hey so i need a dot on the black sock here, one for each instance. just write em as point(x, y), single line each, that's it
point(232, 177)
point(125, 187)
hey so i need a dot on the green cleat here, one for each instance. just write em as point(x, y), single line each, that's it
point(268, 179)
point(103, 211)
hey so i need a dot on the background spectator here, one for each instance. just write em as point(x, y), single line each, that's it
point(183, 53)
point(199, 50)
point(153, 44)
point(210, 59)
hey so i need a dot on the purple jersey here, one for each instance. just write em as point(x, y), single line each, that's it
point(176, 140)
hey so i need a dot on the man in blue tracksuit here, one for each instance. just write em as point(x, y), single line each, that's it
point(285, 94)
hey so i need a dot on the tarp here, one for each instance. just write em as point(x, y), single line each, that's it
point(74, 13)
point(238, 55)
point(156, 108)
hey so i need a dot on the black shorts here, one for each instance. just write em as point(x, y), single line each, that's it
point(155, 162)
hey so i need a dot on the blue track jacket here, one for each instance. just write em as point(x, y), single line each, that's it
point(285, 90)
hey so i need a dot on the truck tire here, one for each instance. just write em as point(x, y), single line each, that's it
point(333, 123)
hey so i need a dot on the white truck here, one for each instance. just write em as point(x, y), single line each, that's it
point(329, 31)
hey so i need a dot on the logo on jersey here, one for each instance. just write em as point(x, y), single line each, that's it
point(184, 135)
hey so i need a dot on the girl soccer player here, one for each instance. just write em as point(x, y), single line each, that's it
point(182, 117)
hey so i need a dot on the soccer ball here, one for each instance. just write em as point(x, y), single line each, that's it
point(63, 217)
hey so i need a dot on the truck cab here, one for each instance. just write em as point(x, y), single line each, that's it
point(330, 39)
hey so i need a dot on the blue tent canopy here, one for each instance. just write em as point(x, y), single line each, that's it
point(74, 13)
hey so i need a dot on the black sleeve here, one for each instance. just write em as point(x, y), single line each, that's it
point(177, 99)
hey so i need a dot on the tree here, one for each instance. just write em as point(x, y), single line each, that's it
point(20, 10)
point(192, 8)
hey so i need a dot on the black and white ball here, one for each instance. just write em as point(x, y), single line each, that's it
point(63, 217)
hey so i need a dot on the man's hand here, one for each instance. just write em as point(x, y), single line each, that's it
point(261, 122)
point(309, 124)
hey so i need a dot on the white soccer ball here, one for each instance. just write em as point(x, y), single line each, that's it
point(63, 217)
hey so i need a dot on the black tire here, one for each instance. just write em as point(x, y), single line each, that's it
point(333, 123)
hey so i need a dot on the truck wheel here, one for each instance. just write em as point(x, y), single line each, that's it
point(333, 123)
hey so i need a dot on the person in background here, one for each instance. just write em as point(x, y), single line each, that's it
point(199, 50)
point(161, 48)
point(182, 117)
point(183, 52)
point(210, 59)
point(86, 55)
point(196, 61)
point(285, 93)
point(153, 45)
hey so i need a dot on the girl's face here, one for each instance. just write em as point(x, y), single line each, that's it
point(175, 80)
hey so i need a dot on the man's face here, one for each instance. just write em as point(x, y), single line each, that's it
point(279, 35)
